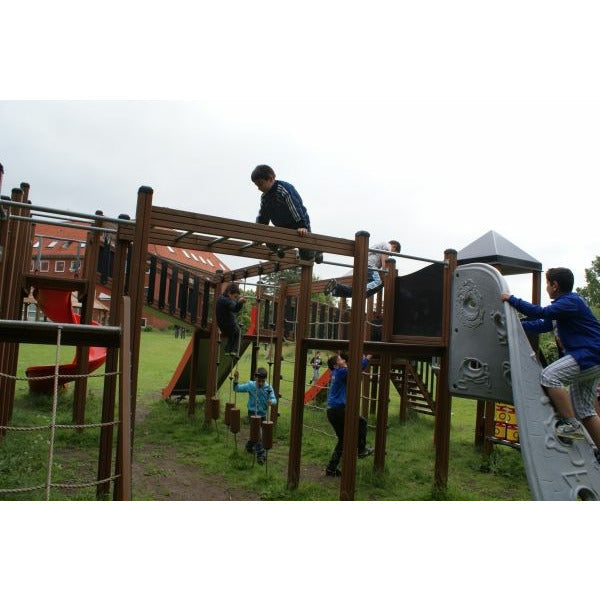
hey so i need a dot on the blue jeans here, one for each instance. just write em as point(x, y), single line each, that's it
point(255, 447)
point(374, 284)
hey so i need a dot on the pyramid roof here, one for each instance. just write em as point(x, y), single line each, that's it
point(494, 249)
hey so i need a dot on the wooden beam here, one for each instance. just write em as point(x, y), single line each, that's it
point(355, 355)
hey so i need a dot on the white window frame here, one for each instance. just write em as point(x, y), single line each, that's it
point(59, 262)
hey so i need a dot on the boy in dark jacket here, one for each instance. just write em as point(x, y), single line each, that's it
point(579, 367)
point(336, 412)
point(282, 205)
point(229, 303)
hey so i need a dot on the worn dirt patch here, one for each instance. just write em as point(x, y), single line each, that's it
point(158, 476)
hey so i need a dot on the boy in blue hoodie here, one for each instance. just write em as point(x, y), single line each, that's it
point(282, 205)
point(260, 395)
point(336, 412)
point(579, 367)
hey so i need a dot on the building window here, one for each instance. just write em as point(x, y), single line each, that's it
point(170, 249)
point(209, 262)
point(37, 244)
point(202, 259)
point(66, 244)
point(82, 244)
point(44, 266)
point(52, 244)
point(59, 266)
point(194, 257)
point(185, 253)
point(74, 266)
point(147, 267)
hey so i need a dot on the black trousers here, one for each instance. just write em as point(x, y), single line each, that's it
point(336, 417)
point(233, 338)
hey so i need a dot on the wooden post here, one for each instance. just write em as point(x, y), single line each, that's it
point(383, 399)
point(297, 412)
point(480, 424)
point(355, 355)
point(12, 254)
point(443, 405)
point(341, 326)
point(136, 286)
point(111, 365)
point(125, 439)
point(404, 395)
point(278, 350)
point(213, 358)
point(194, 372)
point(374, 389)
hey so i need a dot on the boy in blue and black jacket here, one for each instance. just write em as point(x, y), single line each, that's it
point(336, 412)
point(282, 205)
point(260, 395)
point(579, 367)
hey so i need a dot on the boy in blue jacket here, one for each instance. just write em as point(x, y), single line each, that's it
point(579, 367)
point(336, 412)
point(281, 204)
point(260, 395)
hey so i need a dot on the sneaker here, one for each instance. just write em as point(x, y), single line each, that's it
point(233, 354)
point(261, 459)
point(374, 290)
point(333, 472)
point(318, 257)
point(330, 287)
point(572, 431)
point(365, 452)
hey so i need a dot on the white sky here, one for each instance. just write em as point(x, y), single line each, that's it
point(432, 123)
point(428, 121)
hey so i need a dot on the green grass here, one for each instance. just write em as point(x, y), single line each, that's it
point(409, 460)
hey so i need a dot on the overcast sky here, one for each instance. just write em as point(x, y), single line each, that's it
point(432, 124)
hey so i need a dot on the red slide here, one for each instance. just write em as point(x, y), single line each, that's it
point(56, 305)
point(315, 388)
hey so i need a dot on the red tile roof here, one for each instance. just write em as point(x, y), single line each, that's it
point(193, 259)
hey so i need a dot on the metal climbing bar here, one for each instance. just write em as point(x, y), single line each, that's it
point(66, 213)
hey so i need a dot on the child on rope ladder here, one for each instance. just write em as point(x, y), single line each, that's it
point(229, 303)
point(260, 395)
point(336, 412)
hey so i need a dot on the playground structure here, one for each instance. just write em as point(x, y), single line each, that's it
point(412, 351)
point(94, 344)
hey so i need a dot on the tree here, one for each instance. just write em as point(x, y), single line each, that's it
point(591, 291)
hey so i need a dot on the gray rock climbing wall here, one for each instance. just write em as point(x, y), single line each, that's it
point(491, 359)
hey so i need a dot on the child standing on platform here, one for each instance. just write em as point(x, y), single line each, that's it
point(229, 303)
point(260, 395)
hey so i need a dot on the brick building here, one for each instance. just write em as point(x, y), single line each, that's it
point(58, 251)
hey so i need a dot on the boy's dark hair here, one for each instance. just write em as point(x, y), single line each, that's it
point(562, 276)
point(260, 373)
point(232, 288)
point(395, 243)
point(332, 362)
point(262, 172)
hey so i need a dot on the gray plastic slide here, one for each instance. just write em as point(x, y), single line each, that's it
point(492, 359)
